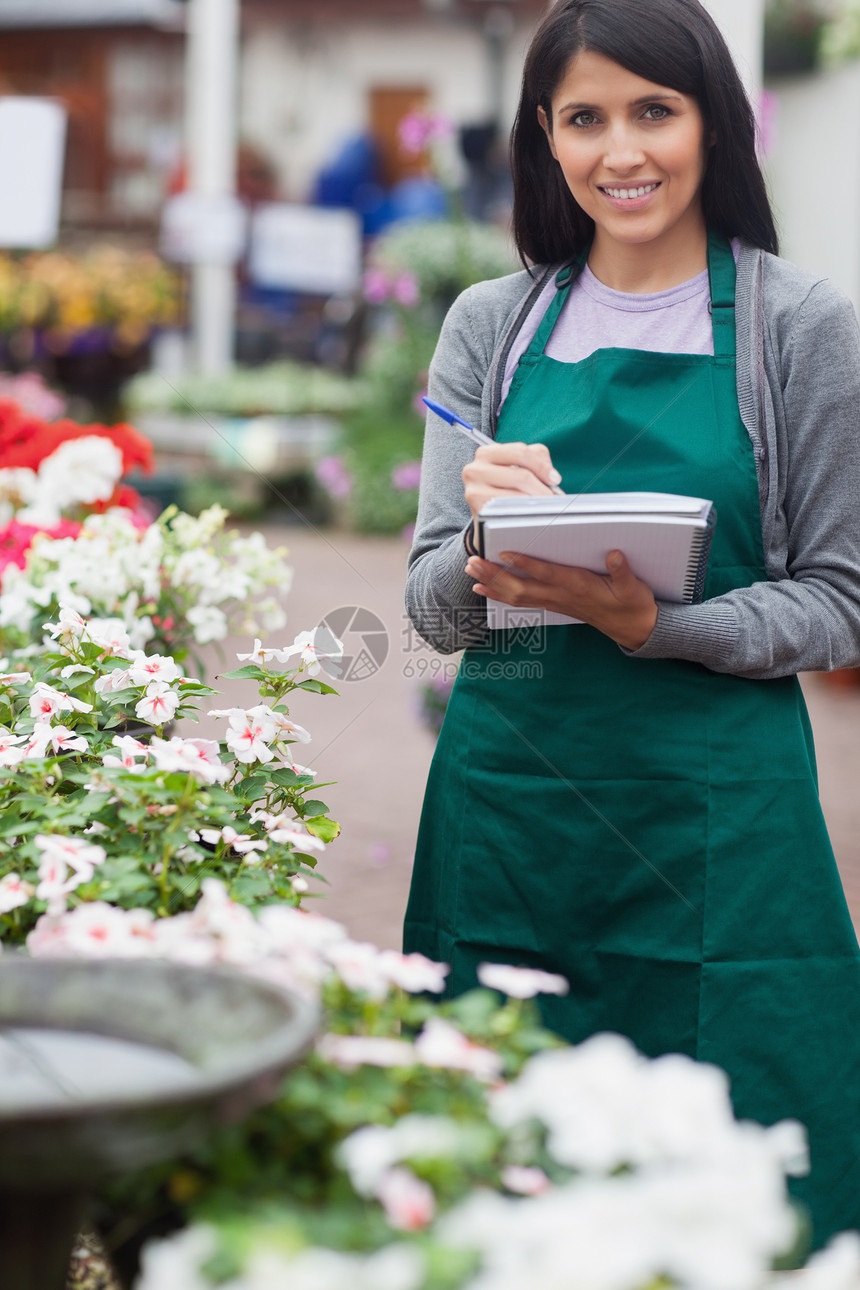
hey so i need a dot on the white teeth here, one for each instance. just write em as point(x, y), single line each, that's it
point(626, 194)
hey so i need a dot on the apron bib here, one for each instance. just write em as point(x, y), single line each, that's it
point(648, 828)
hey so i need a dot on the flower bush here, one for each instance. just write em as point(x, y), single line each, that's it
point(453, 1146)
point(91, 814)
point(172, 585)
point(286, 388)
point(62, 294)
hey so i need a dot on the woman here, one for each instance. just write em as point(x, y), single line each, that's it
point(640, 812)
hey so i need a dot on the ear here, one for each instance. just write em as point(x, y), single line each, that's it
point(545, 126)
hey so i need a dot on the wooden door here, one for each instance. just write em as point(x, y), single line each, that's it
point(389, 104)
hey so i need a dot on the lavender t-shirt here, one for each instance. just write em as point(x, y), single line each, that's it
point(677, 321)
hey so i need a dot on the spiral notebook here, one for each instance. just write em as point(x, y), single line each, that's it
point(666, 538)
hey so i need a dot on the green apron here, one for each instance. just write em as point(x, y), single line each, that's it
point(648, 828)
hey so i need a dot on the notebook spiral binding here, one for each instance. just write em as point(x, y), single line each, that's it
point(700, 550)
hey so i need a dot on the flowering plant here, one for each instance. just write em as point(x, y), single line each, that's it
point(61, 294)
point(91, 813)
point(173, 584)
point(454, 1146)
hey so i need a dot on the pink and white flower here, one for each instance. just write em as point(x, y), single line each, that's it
point(282, 828)
point(521, 982)
point(350, 1051)
point(318, 651)
point(158, 705)
point(250, 732)
point(83, 857)
point(46, 702)
point(360, 967)
point(525, 1180)
point(14, 892)
point(414, 972)
point(130, 749)
point(409, 1202)
point(145, 668)
point(69, 627)
point(111, 682)
point(442, 1045)
point(198, 757)
point(15, 678)
point(59, 738)
point(110, 635)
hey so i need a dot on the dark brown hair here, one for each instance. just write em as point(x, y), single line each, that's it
point(674, 43)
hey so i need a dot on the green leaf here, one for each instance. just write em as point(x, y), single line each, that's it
point(251, 886)
point(316, 687)
point(285, 777)
point(250, 672)
point(323, 828)
point(252, 787)
point(313, 806)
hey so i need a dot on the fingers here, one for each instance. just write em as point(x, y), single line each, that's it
point(508, 469)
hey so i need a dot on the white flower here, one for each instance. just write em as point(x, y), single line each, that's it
point(360, 967)
point(242, 843)
point(414, 972)
point(288, 729)
point(519, 982)
point(176, 1264)
point(144, 668)
point(442, 1045)
point(75, 669)
point(409, 1202)
point(371, 1151)
point(209, 623)
point(45, 702)
point(158, 705)
point(129, 751)
point(14, 892)
point(837, 1267)
point(69, 627)
point(525, 1180)
point(199, 757)
point(15, 678)
point(281, 828)
point(350, 1051)
point(80, 470)
point(319, 651)
point(262, 656)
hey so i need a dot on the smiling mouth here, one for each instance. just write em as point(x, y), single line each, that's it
point(628, 194)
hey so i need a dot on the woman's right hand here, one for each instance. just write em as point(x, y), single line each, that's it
point(508, 470)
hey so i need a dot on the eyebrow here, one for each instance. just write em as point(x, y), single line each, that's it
point(648, 98)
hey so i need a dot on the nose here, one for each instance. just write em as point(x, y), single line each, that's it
point(623, 150)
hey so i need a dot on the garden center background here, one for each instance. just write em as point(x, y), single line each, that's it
point(263, 211)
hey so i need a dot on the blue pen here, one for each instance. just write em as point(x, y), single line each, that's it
point(465, 428)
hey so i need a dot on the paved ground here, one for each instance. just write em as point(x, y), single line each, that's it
point(369, 738)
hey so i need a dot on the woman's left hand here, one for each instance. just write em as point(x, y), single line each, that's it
point(618, 603)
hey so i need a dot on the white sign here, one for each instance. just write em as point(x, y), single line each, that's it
point(32, 147)
point(203, 230)
point(305, 248)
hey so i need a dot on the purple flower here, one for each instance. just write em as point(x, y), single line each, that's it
point(334, 476)
point(376, 287)
point(418, 129)
point(406, 290)
point(406, 476)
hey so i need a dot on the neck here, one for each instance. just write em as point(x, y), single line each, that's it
point(647, 267)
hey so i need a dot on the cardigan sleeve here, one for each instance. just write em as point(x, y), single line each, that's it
point(807, 616)
point(439, 597)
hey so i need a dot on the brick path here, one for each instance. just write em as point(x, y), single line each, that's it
point(370, 741)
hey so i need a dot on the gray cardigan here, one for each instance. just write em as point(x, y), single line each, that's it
point(798, 378)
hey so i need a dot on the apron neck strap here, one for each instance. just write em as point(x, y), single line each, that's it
point(722, 274)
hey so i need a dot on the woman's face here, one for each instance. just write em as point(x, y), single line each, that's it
point(633, 153)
